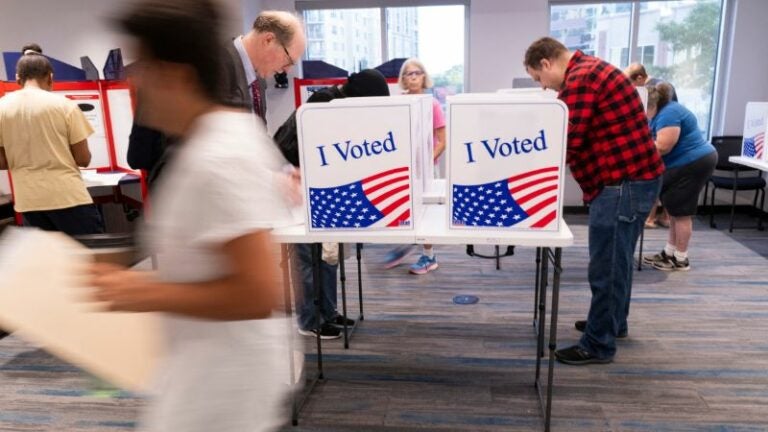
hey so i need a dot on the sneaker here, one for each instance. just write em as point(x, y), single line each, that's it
point(424, 265)
point(653, 259)
point(338, 320)
point(582, 324)
point(577, 355)
point(396, 256)
point(672, 264)
point(326, 331)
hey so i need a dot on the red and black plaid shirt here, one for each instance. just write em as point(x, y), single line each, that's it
point(608, 135)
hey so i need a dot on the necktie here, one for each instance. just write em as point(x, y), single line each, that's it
point(256, 94)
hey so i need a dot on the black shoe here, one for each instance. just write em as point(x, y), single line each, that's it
point(660, 257)
point(339, 321)
point(582, 324)
point(577, 355)
point(672, 264)
point(327, 331)
point(3, 334)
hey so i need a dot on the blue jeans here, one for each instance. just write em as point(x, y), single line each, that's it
point(305, 293)
point(616, 217)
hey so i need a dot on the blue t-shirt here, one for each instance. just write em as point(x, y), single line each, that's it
point(691, 144)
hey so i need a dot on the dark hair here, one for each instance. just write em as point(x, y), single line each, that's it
point(180, 31)
point(368, 82)
point(31, 47)
point(659, 95)
point(273, 23)
point(544, 48)
point(33, 66)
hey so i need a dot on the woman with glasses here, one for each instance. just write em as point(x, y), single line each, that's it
point(414, 79)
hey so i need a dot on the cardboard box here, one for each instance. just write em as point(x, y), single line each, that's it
point(506, 159)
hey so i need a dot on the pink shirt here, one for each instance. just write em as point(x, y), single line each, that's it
point(438, 121)
point(438, 118)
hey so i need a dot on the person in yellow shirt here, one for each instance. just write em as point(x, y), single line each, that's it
point(43, 141)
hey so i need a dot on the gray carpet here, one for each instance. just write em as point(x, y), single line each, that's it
point(695, 360)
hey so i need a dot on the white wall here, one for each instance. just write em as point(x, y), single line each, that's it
point(65, 29)
point(747, 72)
point(499, 33)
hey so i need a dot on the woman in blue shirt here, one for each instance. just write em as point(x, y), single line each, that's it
point(689, 160)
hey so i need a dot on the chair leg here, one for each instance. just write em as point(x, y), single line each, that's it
point(733, 198)
point(712, 208)
point(760, 216)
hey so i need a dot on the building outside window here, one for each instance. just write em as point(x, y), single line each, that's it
point(434, 34)
point(675, 40)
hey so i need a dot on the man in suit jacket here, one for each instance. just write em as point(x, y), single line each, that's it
point(273, 45)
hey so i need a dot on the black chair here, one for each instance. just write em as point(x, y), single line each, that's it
point(727, 146)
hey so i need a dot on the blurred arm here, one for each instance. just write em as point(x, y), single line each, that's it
point(249, 292)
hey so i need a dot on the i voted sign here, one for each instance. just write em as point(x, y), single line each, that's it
point(356, 164)
point(506, 158)
point(755, 128)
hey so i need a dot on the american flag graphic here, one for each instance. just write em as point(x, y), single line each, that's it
point(380, 200)
point(753, 146)
point(527, 200)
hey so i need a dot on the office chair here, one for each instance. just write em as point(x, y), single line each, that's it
point(727, 146)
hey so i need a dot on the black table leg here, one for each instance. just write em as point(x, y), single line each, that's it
point(360, 280)
point(317, 250)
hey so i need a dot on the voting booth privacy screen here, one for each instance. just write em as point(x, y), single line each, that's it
point(755, 129)
point(107, 106)
point(506, 158)
point(361, 163)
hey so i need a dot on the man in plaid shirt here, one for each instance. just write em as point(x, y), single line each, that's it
point(614, 159)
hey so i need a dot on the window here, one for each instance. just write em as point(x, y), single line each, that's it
point(676, 40)
point(434, 34)
point(646, 54)
point(367, 38)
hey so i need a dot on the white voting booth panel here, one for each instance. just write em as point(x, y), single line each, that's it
point(755, 129)
point(360, 164)
point(121, 120)
point(425, 133)
point(547, 94)
point(506, 158)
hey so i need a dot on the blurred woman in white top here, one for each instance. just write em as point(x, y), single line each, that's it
point(226, 367)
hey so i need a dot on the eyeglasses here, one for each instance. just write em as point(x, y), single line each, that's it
point(413, 74)
point(291, 63)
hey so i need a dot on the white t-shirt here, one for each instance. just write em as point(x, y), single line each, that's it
point(224, 376)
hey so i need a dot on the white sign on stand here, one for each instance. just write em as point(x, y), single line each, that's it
point(755, 129)
point(506, 159)
point(89, 101)
point(359, 164)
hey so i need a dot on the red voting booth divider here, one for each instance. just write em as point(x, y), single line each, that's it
point(107, 147)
